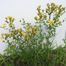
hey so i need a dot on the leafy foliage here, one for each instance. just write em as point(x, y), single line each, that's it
point(31, 45)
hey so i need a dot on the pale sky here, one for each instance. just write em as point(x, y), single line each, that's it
point(27, 9)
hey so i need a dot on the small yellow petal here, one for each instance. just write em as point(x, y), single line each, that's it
point(50, 22)
point(3, 25)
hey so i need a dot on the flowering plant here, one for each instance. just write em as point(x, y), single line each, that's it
point(31, 45)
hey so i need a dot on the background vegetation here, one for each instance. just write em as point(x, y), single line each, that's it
point(32, 44)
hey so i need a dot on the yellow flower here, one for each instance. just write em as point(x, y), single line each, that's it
point(23, 34)
point(29, 30)
point(7, 35)
point(34, 30)
point(9, 19)
point(3, 25)
point(50, 23)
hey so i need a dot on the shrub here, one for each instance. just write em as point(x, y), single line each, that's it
point(31, 45)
